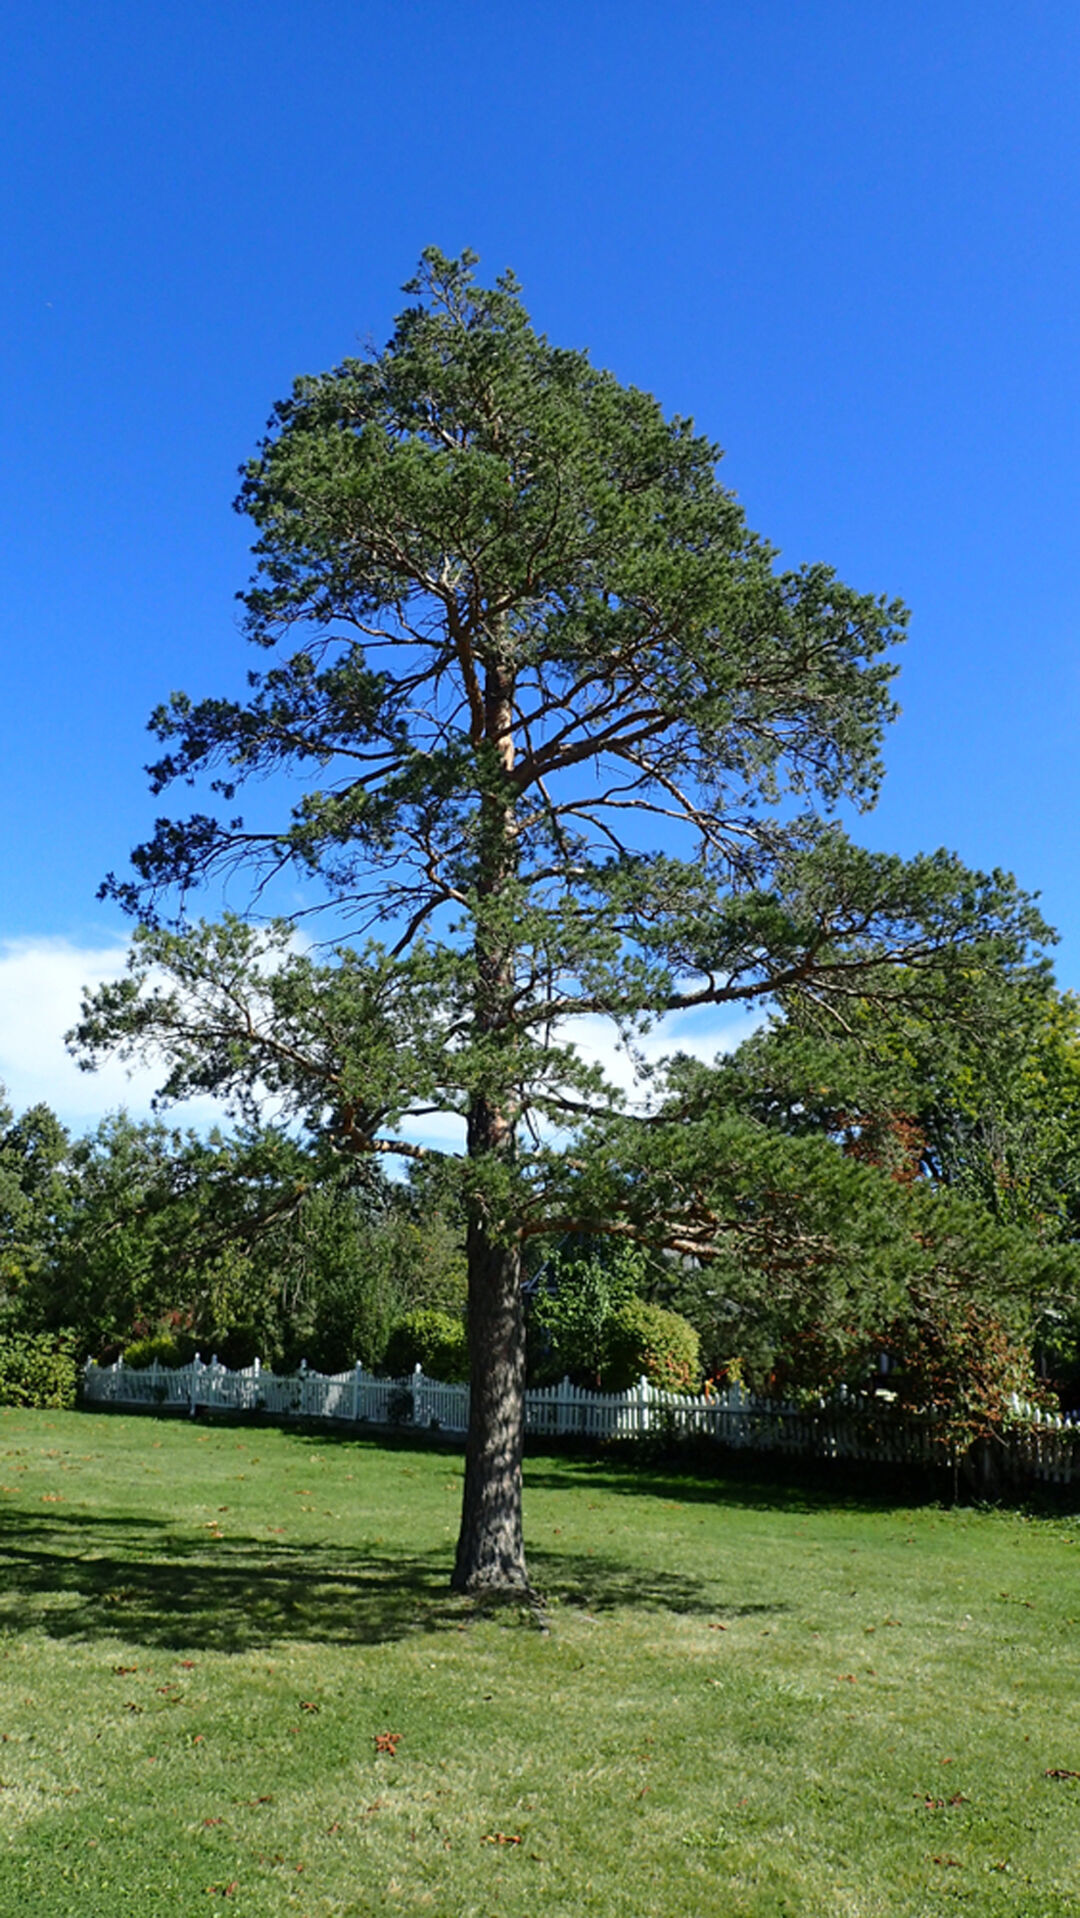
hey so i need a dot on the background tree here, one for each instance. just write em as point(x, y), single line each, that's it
point(33, 1200)
point(576, 1301)
point(251, 1242)
point(973, 1085)
point(161, 1223)
point(920, 1173)
point(564, 731)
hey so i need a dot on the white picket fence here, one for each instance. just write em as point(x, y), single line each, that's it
point(1039, 1445)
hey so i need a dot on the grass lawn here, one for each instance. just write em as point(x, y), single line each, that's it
point(749, 1701)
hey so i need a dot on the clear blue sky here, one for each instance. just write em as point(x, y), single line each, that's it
point(844, 235)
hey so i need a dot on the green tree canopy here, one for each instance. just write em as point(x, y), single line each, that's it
point(251, 1242)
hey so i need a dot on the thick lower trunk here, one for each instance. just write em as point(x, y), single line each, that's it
point(491, 1551)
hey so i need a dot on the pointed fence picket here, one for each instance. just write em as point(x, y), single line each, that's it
point(1037, 1444)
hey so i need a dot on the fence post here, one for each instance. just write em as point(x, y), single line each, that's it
point(195, 1363)
point(562, 1400)
point(643, 1421)
point(357, 1369)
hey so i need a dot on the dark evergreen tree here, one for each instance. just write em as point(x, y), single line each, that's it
point(565, 733)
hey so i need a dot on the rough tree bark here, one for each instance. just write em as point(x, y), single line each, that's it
point(490, 1550)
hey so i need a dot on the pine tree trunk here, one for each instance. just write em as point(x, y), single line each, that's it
point(491, 1552)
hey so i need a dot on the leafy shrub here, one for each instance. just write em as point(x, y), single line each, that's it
point(956, 1357)
point(160, 1348)
point(38, 1369)
point(649, 1340)
point(432, 1340)
point(350, 1320)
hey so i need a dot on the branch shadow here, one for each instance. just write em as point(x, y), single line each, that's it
point(83, 1578)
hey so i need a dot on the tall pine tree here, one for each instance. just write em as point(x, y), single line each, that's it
point(565, 733)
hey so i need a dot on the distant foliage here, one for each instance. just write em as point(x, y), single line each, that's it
point(575, 1309)
point(432, 1340)
point(591, 1324)
point(37, 1370)
point(370, 1278)
point(239, 1347)
point(649, 1341)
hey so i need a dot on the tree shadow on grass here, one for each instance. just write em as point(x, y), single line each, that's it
point(797, 1487)
point(82, 1577)
point(604, 1584)
point(704, 1472)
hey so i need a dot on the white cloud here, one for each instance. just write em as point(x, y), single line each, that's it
point(41, 985)
point(702, 1033)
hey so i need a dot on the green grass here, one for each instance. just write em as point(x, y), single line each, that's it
point(751, 1702)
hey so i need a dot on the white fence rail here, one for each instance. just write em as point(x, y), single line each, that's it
point(1037, 1444)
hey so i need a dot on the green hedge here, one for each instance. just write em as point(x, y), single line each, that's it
point(432, 1340)
point(648, 1340)
point(160, 1348)
point(37, 1370)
